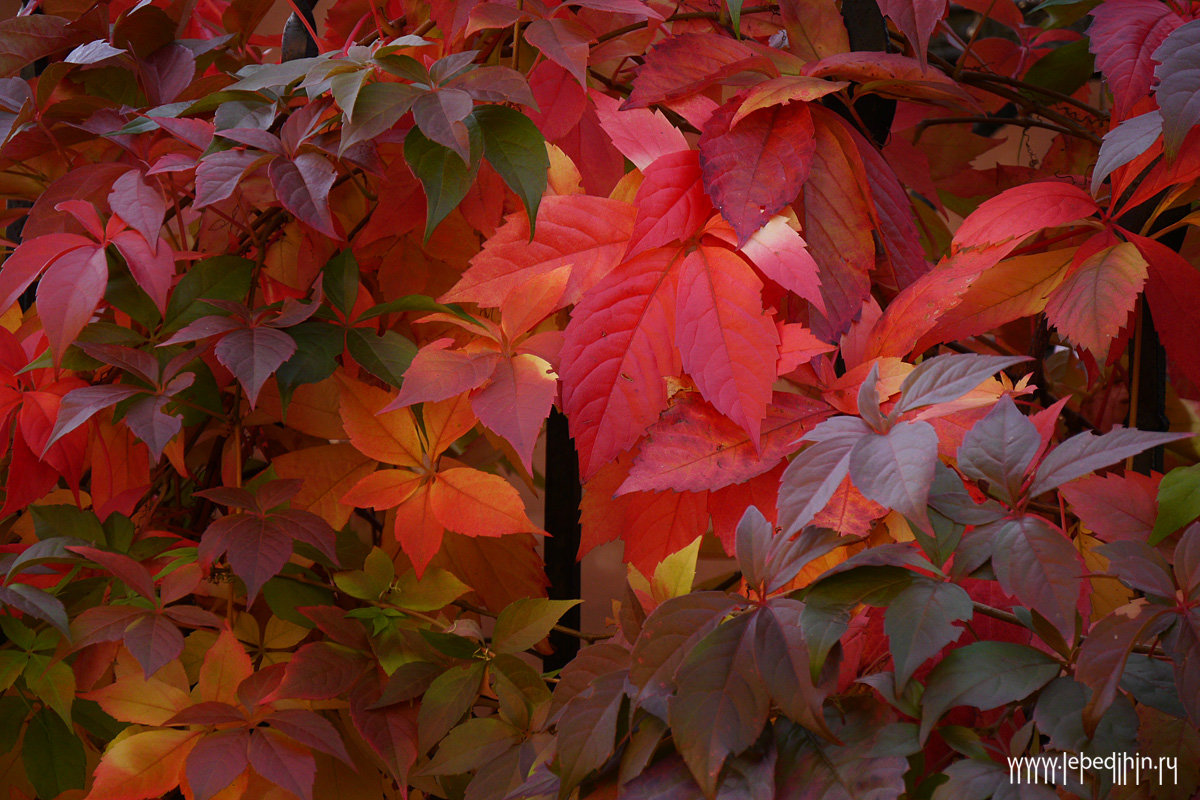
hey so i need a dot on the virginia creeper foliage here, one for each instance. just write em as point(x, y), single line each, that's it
point(856, 309)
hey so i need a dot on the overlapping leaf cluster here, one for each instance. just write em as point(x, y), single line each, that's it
point(847, 315)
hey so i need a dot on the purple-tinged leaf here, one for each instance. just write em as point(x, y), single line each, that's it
point(946, 378)
point(788, 556)
point(310, 729)
point(254, 137)
point(139, 362)
point(666, 779)
point(139, 204)
point(668, 635)
point(1101, 660)
point(782, 659)
point(203, 328)
point(472, 745)
point(918, 623)
point(283, 762)
point(495, 85)
point(302, 185)
point(260, 687)
point(868, 400)
point(859, 766)
point(1187, 563)
point(103, 624)
point(150, 423)
point(93, 53)
point(189, 616)
point(79, 405)
point(153, 640)
point(1178, 91)
point(1087, 452)
point(752, 542)
point(1139, 566)
point(440, 116)
point(391, 732)
point(999, 449)
point(1036, 563)
point(218, 175)
point(37, 604)
point(253, 355)
point(1124, 143)
point(257, 547)
point(587, 729)
point(814, 475)
point(216, 761)
point(984, 675)
point(122, 567)
point(896, 469)
point(377, 108)
point(721, 703)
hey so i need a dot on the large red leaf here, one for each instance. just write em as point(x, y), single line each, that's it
point(642, 135)
point(686, 64)
point(153, 267)
point(68, 294)
point(1115, 507)
point(693, 447)
point(216, 761)
point(755, 168)
point(1007, 218)
point(839, 218)
point(139, 204)
point(1124, 35)
point(32, 256)
point(588, 234)
point(1093, 302)
point(728, 344)
point(671, 203)
point(617, 349)
point(916, 19)
point(1173, 290)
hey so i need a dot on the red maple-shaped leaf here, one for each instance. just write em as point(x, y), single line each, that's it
point(587, 234)
point(642, 135)
point(689, 63)
point(727, 342)
point(756, 167)
point(616, 351)
point(693, 447)
point(1093, 302)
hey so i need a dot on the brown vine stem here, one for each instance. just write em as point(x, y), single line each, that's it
point(586, 637)
point(1020, 122)
point(982, 79)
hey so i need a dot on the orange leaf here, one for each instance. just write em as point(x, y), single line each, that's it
point(384, 489)
point(226, 664)
point(328, 472)
point(143, 765)
point(418, 529)
point(132, 698)
point(391, 437)
point(446, 421)
point(477, 503)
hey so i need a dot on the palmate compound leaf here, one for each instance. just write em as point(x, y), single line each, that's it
point(444, 176)
point(984, 675)
point(728, 343)
point(814, 475)
point(616, 351)
point(754, 168)
point(1093, 302)
point(721, 704)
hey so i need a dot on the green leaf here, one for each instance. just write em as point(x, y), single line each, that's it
point(53, 756)
point(385, 356)
point(448, 698)
point(526, 622)
point(123, 292)
point(443, 174)
point(514, 146)
point(219, 278)
point(12, 663)
point(339, 279)
point(377, 107)
point(587, 729)
point(1178, 501)
point(919, 621)
point(471, 745)
point(874, 585)
point(735, 16)
point(521, 690)
point(53, 682)
point(371, 581)
point(436, 589)
point(1064, 69)
point(415, 302)
point(984, 675)
point(55, 521)
point(284, 596)
point(318, 344)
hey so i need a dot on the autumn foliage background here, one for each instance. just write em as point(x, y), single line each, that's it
point(846, 310)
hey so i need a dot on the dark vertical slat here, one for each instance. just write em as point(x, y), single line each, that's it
point(296, 42)
point(563, 494)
